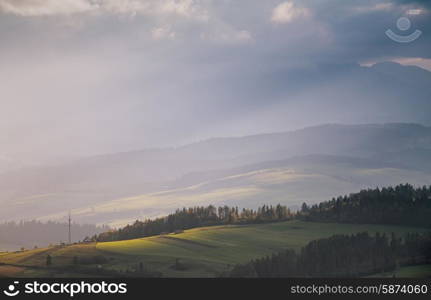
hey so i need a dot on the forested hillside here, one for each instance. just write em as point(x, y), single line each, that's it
point(197, 217)
point(400, 205)
point(341, 256)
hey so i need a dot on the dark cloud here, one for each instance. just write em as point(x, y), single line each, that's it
point(104, 82)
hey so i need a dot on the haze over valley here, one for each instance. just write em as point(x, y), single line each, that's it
point(125, 110)
point(308, 165)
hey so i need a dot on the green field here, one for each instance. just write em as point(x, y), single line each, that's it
point(419, 271)
point(204, 252)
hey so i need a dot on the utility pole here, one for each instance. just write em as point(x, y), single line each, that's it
point(70, 232)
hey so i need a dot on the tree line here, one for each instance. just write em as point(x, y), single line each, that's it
point(193, 217)
point(400, 205)
point(342, 256)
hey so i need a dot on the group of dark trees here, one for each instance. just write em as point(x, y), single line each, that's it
point(28, 234)
point(342, 256)
point(400, 205)
point(197, 217)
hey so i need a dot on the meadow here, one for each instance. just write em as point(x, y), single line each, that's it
point(202, 252)
point(418, 271)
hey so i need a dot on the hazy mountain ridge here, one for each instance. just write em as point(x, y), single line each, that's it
point(389, 89)
point(304, 165)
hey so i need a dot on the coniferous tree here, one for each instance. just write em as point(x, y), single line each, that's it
point(341, 256)
point(48, 260)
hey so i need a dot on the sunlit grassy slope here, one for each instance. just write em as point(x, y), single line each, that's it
point(213, 249)
point(205, 252)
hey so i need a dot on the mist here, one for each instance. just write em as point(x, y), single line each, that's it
point(131, 109)
point(91, 79)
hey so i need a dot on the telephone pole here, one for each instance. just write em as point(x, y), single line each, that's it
point(70, 232)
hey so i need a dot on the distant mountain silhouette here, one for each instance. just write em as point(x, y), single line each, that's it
point(337, 151)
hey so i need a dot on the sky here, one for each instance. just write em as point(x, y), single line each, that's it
point(86, 77)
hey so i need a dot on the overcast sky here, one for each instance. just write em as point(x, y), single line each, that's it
point(82, 77)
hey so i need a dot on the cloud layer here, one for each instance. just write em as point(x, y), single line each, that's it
point(27, 8)
point(91, 76)
point(186, 8)
point(287, 12)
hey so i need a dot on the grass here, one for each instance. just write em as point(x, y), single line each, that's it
point(205, 252)
point(213, 249)
point(419, 271)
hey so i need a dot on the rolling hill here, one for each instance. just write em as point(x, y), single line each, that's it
point(204, 252)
